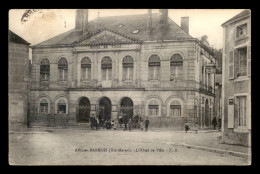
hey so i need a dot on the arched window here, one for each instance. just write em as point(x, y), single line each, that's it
point(44, 106)
point(86, 69)
point(61, 106)
point(63, 69)
point(154, 67)
point(106, 67)
point(175, 109)
point(128, 66)
point(176, 67)
point(153, 108)
point(45, 70)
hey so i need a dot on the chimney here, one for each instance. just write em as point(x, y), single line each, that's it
point(81, 20)
point(163, 16)
point(185, 24)
point(149, 19)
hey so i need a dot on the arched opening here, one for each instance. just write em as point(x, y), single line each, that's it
point(128, 68)
point(86, 69)
point(154, 67)
point(175, 109)
point(83, 110)
point(127, 107)
point(106, 68)
point(45, 70)
point(207, 114)
point(63, 69)
point(104, 109)
point(176, 67)
point(61, 106)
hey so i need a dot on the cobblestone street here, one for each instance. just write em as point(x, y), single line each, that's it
point(114, 147)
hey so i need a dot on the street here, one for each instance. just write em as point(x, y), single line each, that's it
point(113, 147)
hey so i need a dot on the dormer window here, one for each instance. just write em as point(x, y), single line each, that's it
point(241, 31)
point(136, 31)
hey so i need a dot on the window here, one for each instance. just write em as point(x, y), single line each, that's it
point(106, 66)
point(241, 110)
point(61, 106)
point(241, 31)
point(45, 70)
point(202, 100)
point(44, 106)
point(128, 68)
point(85, 69)
point(241, 61)
point(153, 110)
point(63, 69)
point(120, 26)
point(154, 68)
point(175, 109)
point(176, 66)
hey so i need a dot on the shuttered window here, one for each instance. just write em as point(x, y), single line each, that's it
point(45, 70)
point(249, 60)
point(231, 65)
point(128, 66)
point(106, 68)
point(154, 68)
point(176, 66)
point(63, 69)
point(86, 69)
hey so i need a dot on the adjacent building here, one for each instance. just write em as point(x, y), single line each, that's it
point(18, 81)
point(236, 80)
point(134, 64)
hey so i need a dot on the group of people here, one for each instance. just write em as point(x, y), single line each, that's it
point(128, 122)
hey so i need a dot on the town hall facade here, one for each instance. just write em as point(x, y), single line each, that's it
point(135, 64)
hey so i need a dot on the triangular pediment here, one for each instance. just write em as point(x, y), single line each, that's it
point(105, 37)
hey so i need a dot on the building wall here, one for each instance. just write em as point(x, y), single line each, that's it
point(140, 90)
point(18, 67)
point(236, 86)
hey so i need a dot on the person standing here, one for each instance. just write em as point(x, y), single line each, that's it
point(146, 124)
point(186, 126)
point(219, 123)
point(130, 124)
point(125, 122)
point(214, 122)
point(91, 122)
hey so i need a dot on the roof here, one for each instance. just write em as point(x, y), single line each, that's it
point(129, 24)
point(238, 16)
point(12, 37)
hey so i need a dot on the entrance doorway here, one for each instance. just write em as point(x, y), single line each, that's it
point(127, 107)
point(83, 110)
point(104, 109)
point(207, 114)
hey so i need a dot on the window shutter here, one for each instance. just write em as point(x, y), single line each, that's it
point(104, 75)
point(150, 73)
point(158, 73)
point(89, 73)
point(66, 74)
point(124, 73)
point(110, 74)
point(131, 73)
point(231, 112)
point(249, 60)
point(231, 65)
point(236, 63)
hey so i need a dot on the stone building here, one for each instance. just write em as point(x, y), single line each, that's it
point(18, 79)
point(236, 79)
point(135, 64)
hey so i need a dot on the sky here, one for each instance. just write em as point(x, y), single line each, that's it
point(44, 24)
